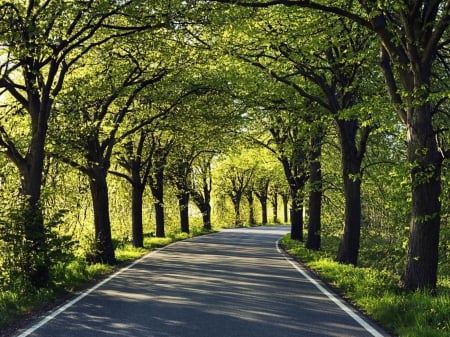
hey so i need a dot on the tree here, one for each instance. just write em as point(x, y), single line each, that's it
point(137, 164)
point(160, 146)
point(236, 177)
point(329, 74)
point(100, 102)
point(41, 42)
point(411, 36)
point(202, 187)
point(287, 143)
point(261, 189)
point(180, 174)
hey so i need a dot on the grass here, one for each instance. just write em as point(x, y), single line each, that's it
point(68, 277)
point(376, 292)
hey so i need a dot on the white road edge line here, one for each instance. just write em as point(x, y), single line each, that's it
point(66, 306)
point(369, 328)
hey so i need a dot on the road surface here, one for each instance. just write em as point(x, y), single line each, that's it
point(234, 283)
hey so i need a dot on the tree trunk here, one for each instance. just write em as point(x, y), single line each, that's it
point(203, 204)
point(183, 204)
point(31, 169)
point(236, 199)
point(275, 208)
point(350, 241)
point(315, 195)
point(104, 249)
point(136, 215)
point(206, 216)
point(251, 208)
point(296, 178)
point(297, 216)
point(285, 198)
point(263, 202)
point(426, 162)
point(351, 174)
point(157, 188)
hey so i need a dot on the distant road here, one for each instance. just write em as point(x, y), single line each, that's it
point(229, 284)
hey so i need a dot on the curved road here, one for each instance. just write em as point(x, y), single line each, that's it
point(229, 284)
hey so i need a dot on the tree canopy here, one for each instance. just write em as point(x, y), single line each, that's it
point(195, 108)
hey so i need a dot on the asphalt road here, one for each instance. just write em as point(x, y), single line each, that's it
point(229, 284)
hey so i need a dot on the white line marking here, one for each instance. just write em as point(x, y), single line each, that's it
point(369, 328)
point(66, 306)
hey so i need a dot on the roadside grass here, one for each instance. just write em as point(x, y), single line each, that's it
point(17, 303)
point(376, 293)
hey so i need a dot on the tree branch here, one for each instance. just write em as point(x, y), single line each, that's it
point(301, 3)
point(391, 84)
point(121, 175)
point(10, 149)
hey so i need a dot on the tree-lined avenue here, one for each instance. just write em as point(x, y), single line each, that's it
point(231, 283)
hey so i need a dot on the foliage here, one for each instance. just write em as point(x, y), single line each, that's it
point(216, 82)
point(16, 249)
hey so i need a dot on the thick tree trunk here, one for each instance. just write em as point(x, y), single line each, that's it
point(183, 204)
point(297, 216)
point(104, 249)
point(350, 241)
point(315, 195)
point(136, 215)
point(426, 161)
point(351, 173)
point(31, 169)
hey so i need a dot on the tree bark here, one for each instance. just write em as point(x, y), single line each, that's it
point(104, 249)
point(183, 204)
point(203, 204)
point(351, 160)
point(426, 162)
point(263, 202)
point(251, 207)
point(236, 200)
point(315, 195)
point(261, 192)
point(296, 178)
point(297, 218)
point(157, 188)
point(275, 207)
point(136, 216)
point(37, 270)
point(285, 198)
point(206, 216)
point(423, 154)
